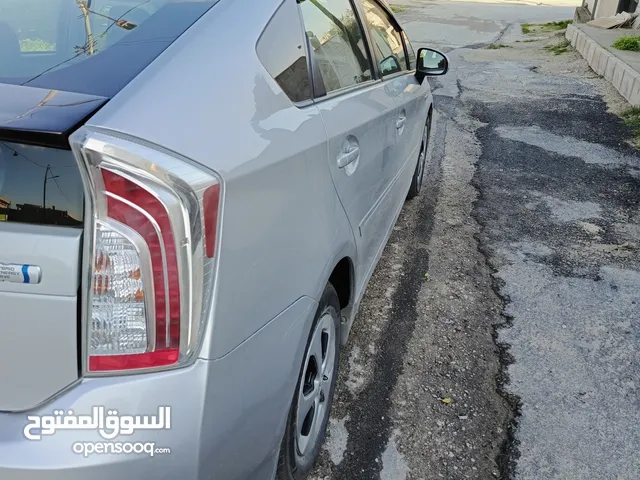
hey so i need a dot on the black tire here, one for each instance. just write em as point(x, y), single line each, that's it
point(418, 175)
point(292, 465)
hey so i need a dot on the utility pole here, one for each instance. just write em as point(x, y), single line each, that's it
point(44, 192)
point(84, 7)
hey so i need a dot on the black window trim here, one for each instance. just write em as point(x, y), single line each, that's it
point(318, 89)
point(355, 5)
point(375, 67)
point(405, 40)
point(398, 28)
point(347, 90)
point(315, 79)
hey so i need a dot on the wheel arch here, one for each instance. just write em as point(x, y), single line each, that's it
point(342, 279)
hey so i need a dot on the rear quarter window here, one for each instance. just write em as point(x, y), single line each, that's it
point(281, 50)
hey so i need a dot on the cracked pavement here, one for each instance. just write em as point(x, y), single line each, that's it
point(499, 336)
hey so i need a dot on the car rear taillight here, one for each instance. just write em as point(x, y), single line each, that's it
point(153, 222)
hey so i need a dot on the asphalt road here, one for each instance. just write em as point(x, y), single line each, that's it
point(500, 334)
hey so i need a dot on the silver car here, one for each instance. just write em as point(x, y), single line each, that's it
point(193, 197)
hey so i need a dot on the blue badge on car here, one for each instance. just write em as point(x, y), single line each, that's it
point(15, 273)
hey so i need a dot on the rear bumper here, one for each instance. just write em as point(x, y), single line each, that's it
point(227, 416)
point(52, 457)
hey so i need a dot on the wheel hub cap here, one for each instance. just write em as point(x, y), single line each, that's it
point(316, 381)
point(423, 153)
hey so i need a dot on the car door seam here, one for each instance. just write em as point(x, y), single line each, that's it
point(386, 191)
point(335, 187)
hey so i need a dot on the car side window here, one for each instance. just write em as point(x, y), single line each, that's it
point(281, 51)
point(337, 41)
point(386, 39)
point(411, 53)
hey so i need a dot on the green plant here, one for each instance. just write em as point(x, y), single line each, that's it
point(545, 27)
point(397, 9)
point(496, 46)
point(631, 118)
point(36, 45)
point(631, 43)
point(559, 48)
point(561, 25)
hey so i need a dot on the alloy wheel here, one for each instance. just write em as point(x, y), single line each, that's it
point(313, 397)
point(422, 159)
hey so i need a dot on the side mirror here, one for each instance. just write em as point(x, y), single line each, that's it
point(389, 65)
point(431, 63)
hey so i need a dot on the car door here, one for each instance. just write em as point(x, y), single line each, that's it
point(359, 113)
point(397, 63)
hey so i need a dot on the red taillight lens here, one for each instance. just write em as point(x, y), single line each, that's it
point(155, 223)
point(211, 205)
point(135, 218)
point(101, 363)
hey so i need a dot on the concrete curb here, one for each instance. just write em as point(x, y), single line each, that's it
point(624, 78)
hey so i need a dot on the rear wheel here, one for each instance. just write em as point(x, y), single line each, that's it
point(309, 412)
point(418, 175)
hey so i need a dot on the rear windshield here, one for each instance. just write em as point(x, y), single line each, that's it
point(40, 186)
point(88, 46)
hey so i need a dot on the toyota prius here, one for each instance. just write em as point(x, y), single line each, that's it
point(193, 197)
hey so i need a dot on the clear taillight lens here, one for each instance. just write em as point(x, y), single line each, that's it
point(119, 316)
point(154, 223)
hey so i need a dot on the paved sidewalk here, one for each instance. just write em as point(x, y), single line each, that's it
point(621, 68)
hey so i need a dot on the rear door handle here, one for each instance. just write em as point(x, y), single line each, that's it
point(401, 122)
point(351, 156)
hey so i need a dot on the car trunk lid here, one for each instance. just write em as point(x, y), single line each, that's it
point(41, 227)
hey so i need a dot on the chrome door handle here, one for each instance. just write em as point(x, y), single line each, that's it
point(351, 156)
point(401, 122)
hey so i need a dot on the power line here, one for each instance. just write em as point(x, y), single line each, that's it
point(89, 44)
point(22, 155)
point(51, 68)
point(125, 13)
point(66, 166)
point(16, 152)
point(62, 192)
